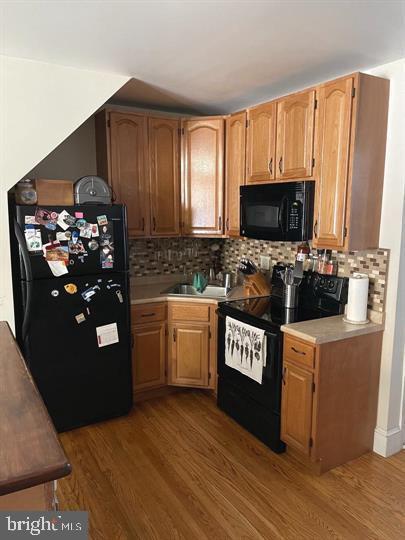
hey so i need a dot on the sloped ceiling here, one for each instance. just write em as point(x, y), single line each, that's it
point(208, 56)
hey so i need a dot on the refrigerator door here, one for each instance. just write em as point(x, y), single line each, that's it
point(78, 347)
point(86, 257)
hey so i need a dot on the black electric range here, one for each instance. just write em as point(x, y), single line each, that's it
point(257, 406)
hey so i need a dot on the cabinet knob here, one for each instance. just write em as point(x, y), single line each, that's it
point(280, 165)
point(220, 223)
point(227, 224)
point(154, 223)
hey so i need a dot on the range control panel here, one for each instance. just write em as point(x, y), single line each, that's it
point(332, 287)
point(294, 217)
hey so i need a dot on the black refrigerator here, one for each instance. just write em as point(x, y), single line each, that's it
point(72, 308)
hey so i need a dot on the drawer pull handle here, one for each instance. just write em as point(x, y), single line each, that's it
point(297, 351)
point(148, 314)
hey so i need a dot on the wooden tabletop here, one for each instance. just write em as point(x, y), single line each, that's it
point(30, 452)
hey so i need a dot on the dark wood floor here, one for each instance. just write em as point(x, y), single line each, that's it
point(178, 468)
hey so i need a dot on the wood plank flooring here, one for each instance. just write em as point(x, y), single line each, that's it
point(178, 468)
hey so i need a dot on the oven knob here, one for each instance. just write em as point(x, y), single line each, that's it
point(331, 284)
point(322, 282)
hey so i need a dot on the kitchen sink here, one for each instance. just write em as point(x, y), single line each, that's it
point(185, 289)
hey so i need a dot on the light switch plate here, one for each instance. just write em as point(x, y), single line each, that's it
point(264, 262)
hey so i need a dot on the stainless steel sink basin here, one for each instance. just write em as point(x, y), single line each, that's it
point(184, 289)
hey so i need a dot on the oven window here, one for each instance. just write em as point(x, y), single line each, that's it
point(261, 215)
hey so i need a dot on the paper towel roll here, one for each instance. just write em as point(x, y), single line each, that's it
point(357, 298)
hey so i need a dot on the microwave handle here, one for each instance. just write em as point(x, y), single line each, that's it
point(282, 214)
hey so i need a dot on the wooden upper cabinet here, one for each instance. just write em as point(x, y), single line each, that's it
point(352, 134)
point(235, 170)
point(261, 142)
point(203, 176)
point(189, 355)
point(128, 138)
point(164, 176)
point(296, 407)
point(334, 125)
point(295, 136)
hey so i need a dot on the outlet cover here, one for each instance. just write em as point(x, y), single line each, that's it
point(264, 262)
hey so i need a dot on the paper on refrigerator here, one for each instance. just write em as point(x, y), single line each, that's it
point(107, 334)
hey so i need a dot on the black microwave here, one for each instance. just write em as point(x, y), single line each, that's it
point(279, 211)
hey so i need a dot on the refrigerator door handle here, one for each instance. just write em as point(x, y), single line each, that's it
point(28, 309)
point(24, 251)
point(28, 276)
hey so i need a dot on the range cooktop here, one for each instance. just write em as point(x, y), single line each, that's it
point(269, 309)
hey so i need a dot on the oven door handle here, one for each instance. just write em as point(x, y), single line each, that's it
point(271, 354)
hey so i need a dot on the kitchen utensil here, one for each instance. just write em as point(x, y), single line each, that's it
point(247, 266)
point(288, 277)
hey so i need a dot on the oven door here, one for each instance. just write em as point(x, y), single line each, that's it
point(267, 394)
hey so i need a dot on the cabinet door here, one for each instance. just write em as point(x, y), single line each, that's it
point(334, 121)
point(188, 355)
point(128, 169)
point(295, 135)
point(296, 407)
point(203, 176)
point(261, 142)
point(235, 170)
point(164, 176)
point(149, 356)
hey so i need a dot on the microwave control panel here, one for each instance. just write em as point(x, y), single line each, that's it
point(294, 217)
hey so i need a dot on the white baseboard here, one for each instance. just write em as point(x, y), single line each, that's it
point(388, 442)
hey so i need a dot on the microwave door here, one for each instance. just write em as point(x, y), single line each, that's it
point(263, 220)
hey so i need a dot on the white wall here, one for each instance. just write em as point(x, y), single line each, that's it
point(40, 105)
point(390, 434)
point(73, 158)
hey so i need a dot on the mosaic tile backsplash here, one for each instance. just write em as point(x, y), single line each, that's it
point(173, 256)
point(374, 263)
point(188, 255)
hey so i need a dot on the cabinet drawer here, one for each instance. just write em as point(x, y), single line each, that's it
point(189, 311)
point(144, 313)
point(299, 351)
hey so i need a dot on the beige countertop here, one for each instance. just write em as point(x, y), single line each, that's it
point(151, 289)
point(329, 329)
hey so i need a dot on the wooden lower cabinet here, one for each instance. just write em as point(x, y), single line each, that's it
point(297, 407)
point(149, 355)
point(329, 406)
point(176, 350)
point(192, 344)
point(189, 354)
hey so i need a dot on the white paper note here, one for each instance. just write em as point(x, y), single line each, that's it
point(107, 334)
point(58, 268)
